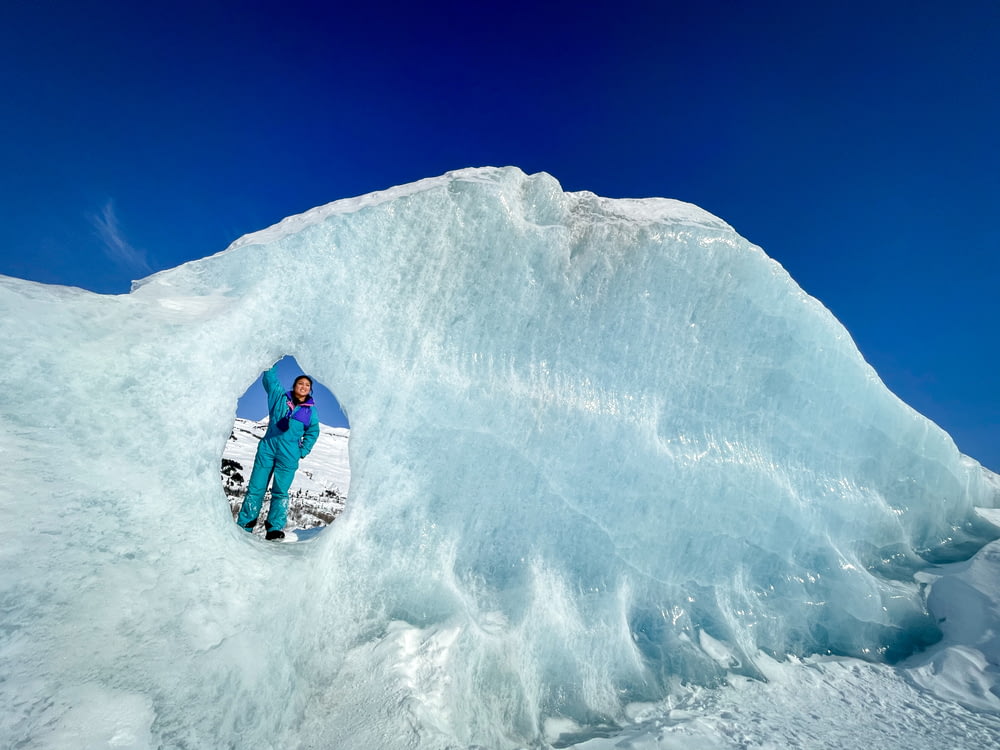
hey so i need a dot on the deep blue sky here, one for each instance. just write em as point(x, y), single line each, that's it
point(857, 143)
point(253, 404)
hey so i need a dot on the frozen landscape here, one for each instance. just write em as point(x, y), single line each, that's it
point(616, 481)
point(317, 493)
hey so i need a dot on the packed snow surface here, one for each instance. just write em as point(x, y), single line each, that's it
point(615, 478)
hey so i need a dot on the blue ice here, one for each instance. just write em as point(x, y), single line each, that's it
point(600, 450)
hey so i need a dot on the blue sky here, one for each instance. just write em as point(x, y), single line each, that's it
point(253, 404)
point(857, 143)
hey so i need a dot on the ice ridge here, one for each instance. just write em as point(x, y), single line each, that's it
point(599, 449)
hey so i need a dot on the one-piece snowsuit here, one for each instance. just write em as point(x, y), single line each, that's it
point(291, 434)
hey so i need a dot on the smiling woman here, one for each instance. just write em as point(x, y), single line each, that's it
point(286, 474)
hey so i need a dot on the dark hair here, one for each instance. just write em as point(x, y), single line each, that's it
point(295, 398)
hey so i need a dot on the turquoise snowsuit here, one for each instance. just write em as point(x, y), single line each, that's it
point(286, 441)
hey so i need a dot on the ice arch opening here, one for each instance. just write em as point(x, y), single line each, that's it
point(318, 493)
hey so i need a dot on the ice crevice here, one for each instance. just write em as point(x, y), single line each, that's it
point(565, 501)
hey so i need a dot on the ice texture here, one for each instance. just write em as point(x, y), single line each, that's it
point(600, 449)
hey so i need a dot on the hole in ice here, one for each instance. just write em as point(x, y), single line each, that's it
point(320, 482)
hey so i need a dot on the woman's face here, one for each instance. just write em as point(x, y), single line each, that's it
point(301, 388)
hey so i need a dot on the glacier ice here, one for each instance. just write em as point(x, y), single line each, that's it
point(600, 450)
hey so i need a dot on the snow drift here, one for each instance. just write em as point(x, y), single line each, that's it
point(600, 449)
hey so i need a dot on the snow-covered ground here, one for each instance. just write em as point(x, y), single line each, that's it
point(319, 490)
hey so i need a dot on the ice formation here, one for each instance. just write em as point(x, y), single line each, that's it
point(600, 450)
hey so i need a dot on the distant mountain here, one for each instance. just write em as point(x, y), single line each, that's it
point(320, 487)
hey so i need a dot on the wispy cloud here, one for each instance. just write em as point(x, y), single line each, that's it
point(116, 246)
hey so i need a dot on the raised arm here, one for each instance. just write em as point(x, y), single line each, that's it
point(275, 393)
point(270, 380)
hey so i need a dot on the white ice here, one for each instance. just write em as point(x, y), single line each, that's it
point(613, 474)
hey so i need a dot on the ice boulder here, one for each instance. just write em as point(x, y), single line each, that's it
point(600, 449)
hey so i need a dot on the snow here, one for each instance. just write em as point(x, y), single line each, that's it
point(615, 481)
point(320, 485)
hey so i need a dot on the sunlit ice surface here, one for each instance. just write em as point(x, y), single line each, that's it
point(613, 475)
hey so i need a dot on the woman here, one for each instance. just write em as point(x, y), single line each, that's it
point(291, 434)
